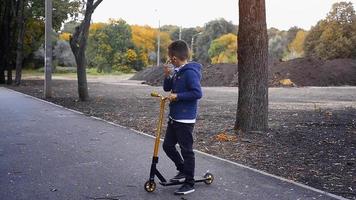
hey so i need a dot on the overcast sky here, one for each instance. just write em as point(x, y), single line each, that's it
point(281, 14)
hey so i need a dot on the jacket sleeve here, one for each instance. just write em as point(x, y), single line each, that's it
point(193, 85)
point(167, 84)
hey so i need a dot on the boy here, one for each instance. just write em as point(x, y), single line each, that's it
point(185, 89)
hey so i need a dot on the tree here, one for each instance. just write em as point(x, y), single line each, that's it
point(211, 31)
point(69, 27)
point(223, 49)
point(165, 41)
point(22, 28)
point(172, 30)
point(20, 38)
point(277, 44)
point(292, 32)
point(78, 43)
point(187, 34)
point(7, 35)
point(63, 55)
point(296, 47)
point(252, 109)
point(109, 45)
point(62, 10)
point(335, 36)
point(342, 12)
point(144, 39)
point(65, 36)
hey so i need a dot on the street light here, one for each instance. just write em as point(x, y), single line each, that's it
point(191, 45)
point(158, 38)
point(180, 33)
point(48, 49)
point(158, 42)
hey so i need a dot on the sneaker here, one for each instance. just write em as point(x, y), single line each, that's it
point(179, 177)
point(185, 189)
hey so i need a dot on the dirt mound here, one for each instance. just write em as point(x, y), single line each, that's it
point(212, 75)
point(315, 72)
point(298, 72)
point(151, 75)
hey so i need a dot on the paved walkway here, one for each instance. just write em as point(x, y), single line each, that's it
point(48, 152)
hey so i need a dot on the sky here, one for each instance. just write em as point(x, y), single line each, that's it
point(281, 14)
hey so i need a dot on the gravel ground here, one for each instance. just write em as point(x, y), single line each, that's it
point(312, 135)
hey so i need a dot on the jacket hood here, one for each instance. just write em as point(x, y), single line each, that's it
point(192, 66)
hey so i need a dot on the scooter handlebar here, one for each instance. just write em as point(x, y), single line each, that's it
point(155, 94)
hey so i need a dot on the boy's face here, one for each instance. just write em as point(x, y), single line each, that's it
point(173, 60)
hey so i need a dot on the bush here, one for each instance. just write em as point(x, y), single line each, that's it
point(65, 70)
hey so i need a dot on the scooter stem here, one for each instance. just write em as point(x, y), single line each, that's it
point(160, 122)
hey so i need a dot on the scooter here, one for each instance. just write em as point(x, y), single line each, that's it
point(150, 185)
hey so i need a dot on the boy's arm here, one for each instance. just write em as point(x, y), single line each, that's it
point(194, 88)
point(167, 84)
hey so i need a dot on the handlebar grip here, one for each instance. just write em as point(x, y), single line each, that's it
point(155, 94)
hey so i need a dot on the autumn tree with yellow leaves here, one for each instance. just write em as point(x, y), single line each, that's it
point(111, 47)
point(296, 47)
point(224, 49)
point(145, 39)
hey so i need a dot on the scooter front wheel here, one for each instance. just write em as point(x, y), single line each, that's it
point(150, 186)
point(209, 178)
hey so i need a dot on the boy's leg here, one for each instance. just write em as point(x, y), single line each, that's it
point(170, 140)
point(185, 141)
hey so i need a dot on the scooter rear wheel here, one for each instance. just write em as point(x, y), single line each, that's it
point(209, 178)
point(150, 186)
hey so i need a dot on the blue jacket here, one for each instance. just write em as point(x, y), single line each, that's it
point(186, 84)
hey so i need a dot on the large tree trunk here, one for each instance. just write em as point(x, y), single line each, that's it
point(21, 33)
point(2, 18)
point(5, 38)
point(78, 43)
point(252, 109)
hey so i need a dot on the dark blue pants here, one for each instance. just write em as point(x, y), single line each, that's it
point(182, 134)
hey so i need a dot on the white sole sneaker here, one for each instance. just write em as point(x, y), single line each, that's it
point(184, 193)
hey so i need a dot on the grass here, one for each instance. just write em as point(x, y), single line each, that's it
point(69, 73)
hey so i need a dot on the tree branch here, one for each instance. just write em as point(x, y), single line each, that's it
point(96, 4)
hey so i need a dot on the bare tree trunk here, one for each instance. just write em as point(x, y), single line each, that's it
point(2, 18)
point(3, 8)
point(21, 33)
point(9, 74)
point(7, 33)
point(78, 43)
point(252, 109)
point(5, 38)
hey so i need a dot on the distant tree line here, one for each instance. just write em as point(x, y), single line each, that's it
point(331, 38)
point(118, 46)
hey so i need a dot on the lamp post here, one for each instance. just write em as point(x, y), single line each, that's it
point(48, 50)
point(158, 38)
point(158, 42)
point(191, 45)
point(180, 33)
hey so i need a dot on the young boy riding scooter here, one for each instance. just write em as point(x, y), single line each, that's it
point(184, 85)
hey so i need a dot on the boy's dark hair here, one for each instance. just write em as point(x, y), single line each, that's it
point(179, 49)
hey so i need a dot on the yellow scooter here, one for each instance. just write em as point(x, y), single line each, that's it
point(150, 185)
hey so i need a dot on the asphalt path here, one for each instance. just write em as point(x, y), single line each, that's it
point(49, 152)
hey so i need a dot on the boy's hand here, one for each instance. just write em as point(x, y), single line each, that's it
point(167, 70)
point(172, 97)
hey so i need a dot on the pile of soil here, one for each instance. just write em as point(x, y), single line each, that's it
point(315, 72)
point(212, 75)
point(301, 72)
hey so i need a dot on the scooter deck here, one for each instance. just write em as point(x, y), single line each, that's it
point(181, 182)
